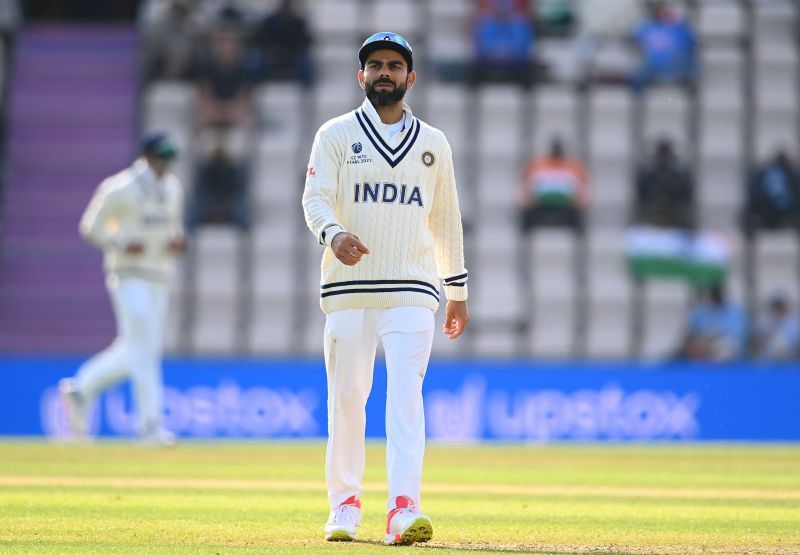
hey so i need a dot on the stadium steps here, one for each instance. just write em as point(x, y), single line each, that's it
point(72, 122)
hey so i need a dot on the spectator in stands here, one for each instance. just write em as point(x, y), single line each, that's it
point(602, 28)
point(503, 37)
point(10, 18)
point(667, 45)
point(555, 17)
point(225, 78)
point(220, 192)
point(773, 199)
point(777, 331)
point(552, 191)
point(225, 82)
point(664, 191)
point(284, 41)
point(171, 37)
point(716, 329)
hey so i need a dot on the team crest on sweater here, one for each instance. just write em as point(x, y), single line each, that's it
point(428, 158)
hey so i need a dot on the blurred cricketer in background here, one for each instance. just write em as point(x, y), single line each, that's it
point(136, 218)
point(380, 195)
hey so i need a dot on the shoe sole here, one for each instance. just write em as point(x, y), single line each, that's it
point(420, 531)
point(339, 536)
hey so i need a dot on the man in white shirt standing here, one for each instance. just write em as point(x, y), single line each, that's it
point(381, 197)
point(136, 218)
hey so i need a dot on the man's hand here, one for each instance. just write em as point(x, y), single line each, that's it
point(456, 318)
point(177, 245)
point(348, 248)
point(134, 248)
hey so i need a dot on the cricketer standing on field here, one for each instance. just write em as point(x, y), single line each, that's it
point(136, 218)
point(380, 195)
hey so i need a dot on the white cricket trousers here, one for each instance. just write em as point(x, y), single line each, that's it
point(351, 338)
point(140, 309)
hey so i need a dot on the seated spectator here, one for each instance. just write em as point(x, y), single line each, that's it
point(220, 192)
point(225, 78)
point(552, 191)
point(667, 45)
point(664, 191)
point(555, 17)
point(773, 199)
point(716, 330)
point(284, 41)
point(171, 35)
point(602, 28)
point(225, 82)
point(10, 19)
point(503, 37)
point(777, 331)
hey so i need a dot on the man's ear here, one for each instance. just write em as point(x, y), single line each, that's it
point(361, 81)
point(412, 77)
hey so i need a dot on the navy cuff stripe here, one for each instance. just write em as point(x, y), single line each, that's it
point(326, 228)
point(380, 282)
point(455, 278)
point(381, 290)
point(461, 284)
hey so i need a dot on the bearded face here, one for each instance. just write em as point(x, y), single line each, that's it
point(385, 77)
point(382, 91)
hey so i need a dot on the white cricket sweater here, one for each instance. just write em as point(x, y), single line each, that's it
point(398, 195)
point(136, 206)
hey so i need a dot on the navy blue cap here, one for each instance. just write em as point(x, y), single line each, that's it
point(392, 41)
point(159, 144)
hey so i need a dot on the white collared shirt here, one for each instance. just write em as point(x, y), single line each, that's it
point(389, 130)
point(136, 205)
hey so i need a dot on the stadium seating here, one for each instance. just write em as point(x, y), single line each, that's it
point(285, 317)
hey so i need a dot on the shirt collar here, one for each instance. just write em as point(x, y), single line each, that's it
point(145, 172)
point(372, 114)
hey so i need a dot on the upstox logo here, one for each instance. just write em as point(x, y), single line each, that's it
point(387, 193)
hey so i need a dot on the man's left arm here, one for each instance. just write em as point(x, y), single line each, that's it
point(448, 235)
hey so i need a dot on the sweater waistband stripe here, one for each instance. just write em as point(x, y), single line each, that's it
point(380, 282)
point(380, 290)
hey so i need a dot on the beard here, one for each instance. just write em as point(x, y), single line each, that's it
point(384, 97)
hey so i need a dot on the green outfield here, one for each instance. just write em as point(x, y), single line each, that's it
point(270, 498)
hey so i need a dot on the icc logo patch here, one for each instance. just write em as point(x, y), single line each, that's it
point(357, 147)
point(428, 158)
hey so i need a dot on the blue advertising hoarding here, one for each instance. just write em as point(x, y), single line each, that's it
point(464, 401)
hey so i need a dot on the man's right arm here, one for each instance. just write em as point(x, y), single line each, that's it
point(103, 205)
point(322, 181)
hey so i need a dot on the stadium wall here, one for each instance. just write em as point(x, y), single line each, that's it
point(465, 401)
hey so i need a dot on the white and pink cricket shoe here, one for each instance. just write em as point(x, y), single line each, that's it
point(405, 524)
point(344, 519)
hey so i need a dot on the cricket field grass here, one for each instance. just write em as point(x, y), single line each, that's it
point(270, 498)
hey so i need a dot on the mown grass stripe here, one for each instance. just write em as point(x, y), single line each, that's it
point(311, 485)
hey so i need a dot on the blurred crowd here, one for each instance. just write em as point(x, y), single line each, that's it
point(227, 51)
